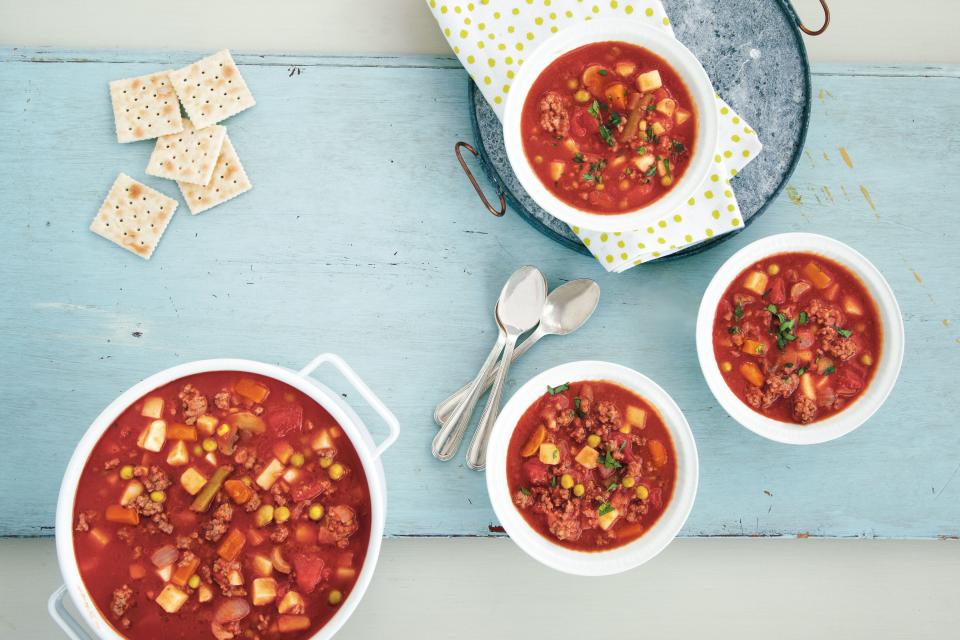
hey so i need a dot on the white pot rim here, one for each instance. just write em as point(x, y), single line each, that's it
point(348, 420)
point(658, 41)
point(619, 559)
point(887, 366)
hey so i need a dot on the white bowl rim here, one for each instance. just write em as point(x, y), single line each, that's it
point(348, 420)
point(618, 559)
point(888, 365)
point(662, 44)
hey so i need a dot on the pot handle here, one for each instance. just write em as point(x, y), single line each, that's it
point(351, 376)
point(64, 618)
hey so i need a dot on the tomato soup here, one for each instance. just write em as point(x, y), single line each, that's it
point(797, 337)
point(591, 465)
point(221, 505)
point(609, 127)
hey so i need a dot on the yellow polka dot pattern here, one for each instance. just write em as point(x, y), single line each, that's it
point(518, 27)
point(514, 29)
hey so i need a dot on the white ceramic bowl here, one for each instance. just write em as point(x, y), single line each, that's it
point(888, 365)
point(618, 559)
point(368, 452)
point(660, 43)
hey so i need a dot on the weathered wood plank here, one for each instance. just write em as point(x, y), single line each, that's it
point(362, 237)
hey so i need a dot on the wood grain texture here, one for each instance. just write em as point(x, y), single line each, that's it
point(361, 236)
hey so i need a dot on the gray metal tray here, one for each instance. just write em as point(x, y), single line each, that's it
point(754, 53)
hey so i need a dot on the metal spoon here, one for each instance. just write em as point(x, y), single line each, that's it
point(518, 311)
point(567, 308)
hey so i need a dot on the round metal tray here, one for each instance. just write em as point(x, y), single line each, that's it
point(754, 53)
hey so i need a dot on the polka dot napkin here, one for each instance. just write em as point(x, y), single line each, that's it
point(492, 37)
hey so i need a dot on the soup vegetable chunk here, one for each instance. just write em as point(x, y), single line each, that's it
point(591, 465)
point(797, 337)
point(609, 127)
point(221, 505)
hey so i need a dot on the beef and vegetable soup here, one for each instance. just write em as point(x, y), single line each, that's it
point(609, 127)
point(222, 505)
point(591, 465)
point(797, 337)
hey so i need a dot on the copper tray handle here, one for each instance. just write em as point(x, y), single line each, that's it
point(473, 181)
point(826, 22)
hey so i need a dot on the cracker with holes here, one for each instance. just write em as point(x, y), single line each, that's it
point(134, 216)
point(145, 107)
point(188, 156)
point(229, 180)
point(212, 89)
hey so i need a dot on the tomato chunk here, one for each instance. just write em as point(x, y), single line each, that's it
point(308, 570)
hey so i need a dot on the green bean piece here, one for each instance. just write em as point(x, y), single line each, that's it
point(203, 500)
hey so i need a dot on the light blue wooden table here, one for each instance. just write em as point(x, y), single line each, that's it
point(362, 237)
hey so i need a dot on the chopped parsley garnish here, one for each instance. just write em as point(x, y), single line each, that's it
point(594, 109)
point(651, 136)
point(803, 318)
point(784, 330)
point(829, 370)
point(734, 330)
point(772, 308)
point(787, 365)
point(651, 107)
point(553, 481)
point(602, 72)
point(576, 403)
point(801, 371)
point(559, 389)
point(738, 311)
point(666, 166)
point(525, 491)
point(846, 333)
point(606, 135)
point(652, 170)
point(641, 150)
point(627, 171)
point(604, 508)
point(615, 119)
point(596, 169)
point(609, 462)
point(613, 486)
point(678, 147)
point(578, 157)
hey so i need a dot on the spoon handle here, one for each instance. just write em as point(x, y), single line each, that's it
point(447, 442)
point(477, 451)
point(441, 414)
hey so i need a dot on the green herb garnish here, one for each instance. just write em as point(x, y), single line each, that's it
point(578, 157)
point(738, 311)
point(803, 318)
point(609, 462)
point(641, 150)
point(602, 72)
point(604, 508)
point(734, 330)
point(525, 491)
point(846, 333)
point(678, 147)
point(829, 370)
point(594, 109)
point(613, 486)
point(553, 481)
point(559, 389)
point(615, 119)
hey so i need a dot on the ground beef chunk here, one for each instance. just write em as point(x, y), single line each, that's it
point(125, 534)
point(754, 396)
point(153, 478)
point(804, 409)
point(193, 404)
point(279, 535)
point(553, 115)
point(832, 343)
point(636, 510)
point(779, 386)
point(120, 601)
point(252, 504)
point(111, 464)
point(245, 457)
point(185, 542)
point(523, 500)
point(825, 314)
point(223, 400)
point(221, 575)
point(337, 527)
point(564, 523)
point(218, 524)
point(154, 511)
point(608, 414)
point(565, 418)
point(84, 518)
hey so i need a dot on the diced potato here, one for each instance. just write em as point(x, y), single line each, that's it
point(171, 599)
point(207, 424)
point(549, 453)
point(649, 81)
point(807, 387)
point(204, 593)
point(292, 602)
point(644, 162)
point(264, 591)
point(588, 457)
point(192, 481)
point(819, 279)
point(152, 407)
point(292, 475)
point(852, 306)
point(251, 390)
point(667, 106)
point(594, 79)
point(823, 364)
point(534, 441)
point(625, 68)
point(636, 416)
point(211, 458)
point(753, 347)
point(289, 623)
point(165, 573)
point(133, 489)
point(100, 536)
point(283, 450)
point(235, 578)
point(570, 145)
point(270, 474)
point(262, 565)
point(681, 116)
point(153, 437)
point(617, 162)
point(179, 455)
point(556, 170)
point(658, 129)
point(752, 373)
point(616, 95)
point(607, 519)
point(756, 281)
point(322, 440)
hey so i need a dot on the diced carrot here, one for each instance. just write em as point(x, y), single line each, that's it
point(753, 347)
point(658, 452)
point(752, 373)
point(251, 390)
point(534, 442)
point(819, 279)
point(137, 571)
point(238, 491)
point(181, 432)
point(287, 623)
point(122, 515)
point(183, 571)
point(628, 531)
point(232, 545)
point(255, 537)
